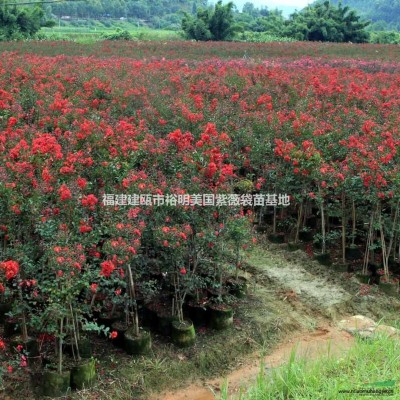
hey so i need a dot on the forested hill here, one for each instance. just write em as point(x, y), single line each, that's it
point(385, 14)
point(124, 8)
point(156, 13)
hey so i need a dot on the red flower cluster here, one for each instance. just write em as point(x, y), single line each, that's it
point(64, 192)
point(107, 268)
point(89, 201)
point(10, 268)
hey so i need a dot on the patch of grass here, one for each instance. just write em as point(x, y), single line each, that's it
point(363, 367)
point(91, 34)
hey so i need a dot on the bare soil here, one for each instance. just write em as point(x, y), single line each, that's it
point(305, 344)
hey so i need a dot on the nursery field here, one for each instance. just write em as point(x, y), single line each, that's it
point(201, 51)
point(142, 182)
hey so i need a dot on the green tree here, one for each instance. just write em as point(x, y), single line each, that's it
point(210, 24)
point(273, 23)
point(327, 23)
point(20, 22)
point(250, 9)
point(197, 27)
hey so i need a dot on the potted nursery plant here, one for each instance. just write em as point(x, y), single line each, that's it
point(136, 340)
point(238, 229)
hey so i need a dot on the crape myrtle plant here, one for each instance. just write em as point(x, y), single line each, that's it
point(372, 154)
point(122, 269)
point(194, 168)
point(238, 228)
point(74, 130)
point(62, 283)
point(176, 267)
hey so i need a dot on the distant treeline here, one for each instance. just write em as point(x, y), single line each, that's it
point(385, 14)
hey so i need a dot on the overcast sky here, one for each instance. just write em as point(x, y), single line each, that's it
point(277, 3)
point(272, 4)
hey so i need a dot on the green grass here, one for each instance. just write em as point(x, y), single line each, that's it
point(92, 33)
point(364, 366)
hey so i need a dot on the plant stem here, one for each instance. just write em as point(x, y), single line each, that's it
point(299, 218)
point(353, 216)
point(60, 343)
point(323, 228)
point(343, 228)
point(74, 328)
point(133, 297)
point(23, 322)
point(367, 248)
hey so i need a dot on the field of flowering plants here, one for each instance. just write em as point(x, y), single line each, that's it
point(86, 141)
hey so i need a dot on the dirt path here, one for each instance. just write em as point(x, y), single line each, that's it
point(309, 344)
point(316, 292)
point(291, 291)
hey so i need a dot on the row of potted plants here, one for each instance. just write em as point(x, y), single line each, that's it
point(64, 362)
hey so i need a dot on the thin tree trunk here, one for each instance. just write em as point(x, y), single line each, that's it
point(392, 233)
point(133, 297)
point(369, 240)
point(353, 216)
point(60, 343)
point(323, 227)
point(24, 329)
point(75, 329)
point(343, 228)
point(237, 261)
point(299, 218)
point(383, 245)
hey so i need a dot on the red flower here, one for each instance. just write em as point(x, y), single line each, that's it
point(23, 362)
point(85, 228)
point(89, 201)
point(107, 267)
point(46, 175)
point(93, 287)
point(82, 182)
point(64, 192)
point(113, 334)
point(183, 271)
point(211, 170)
point(10, 268)
point(60, 260)
point(15, 208)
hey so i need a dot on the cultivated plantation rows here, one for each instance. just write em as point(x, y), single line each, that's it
point(85, 140)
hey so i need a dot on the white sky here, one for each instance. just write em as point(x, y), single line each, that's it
point(299, 4)
point(277, 3)
point(286, 6)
